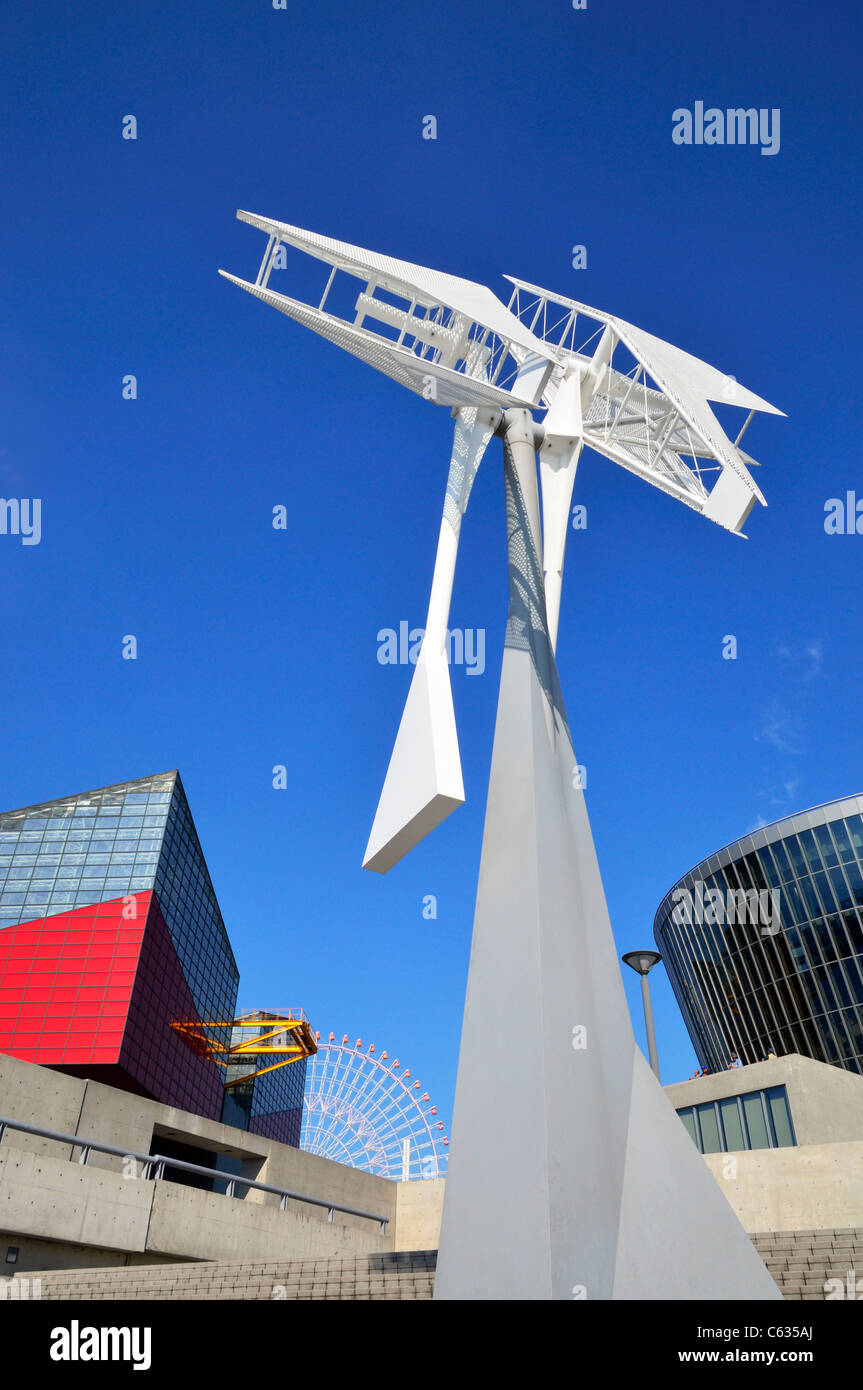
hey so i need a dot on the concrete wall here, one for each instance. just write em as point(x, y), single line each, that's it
point(826, 1102)
point(45, 1197)
point(419, 1206)
point(64, 1215)
point(39, 1097)
point(817, 1185)
point(814, 1188)
point(36, 1255)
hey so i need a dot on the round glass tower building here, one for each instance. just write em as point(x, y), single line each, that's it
point(763, 942)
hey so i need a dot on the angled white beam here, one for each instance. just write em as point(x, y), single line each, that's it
point(424, 778)
point(558, 459)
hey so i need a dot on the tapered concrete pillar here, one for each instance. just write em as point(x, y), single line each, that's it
point(570, 1175)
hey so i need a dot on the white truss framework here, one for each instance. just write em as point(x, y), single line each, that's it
point(434, 333)
point(669, 437)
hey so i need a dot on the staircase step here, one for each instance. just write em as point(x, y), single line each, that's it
point(801, 1262)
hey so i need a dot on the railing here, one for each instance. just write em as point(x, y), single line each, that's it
point(153, 1167)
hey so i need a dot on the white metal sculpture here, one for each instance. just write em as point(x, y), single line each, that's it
point(454, 343)
point(609, 1197)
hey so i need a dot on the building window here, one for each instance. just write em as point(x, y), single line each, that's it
point(757, 1120)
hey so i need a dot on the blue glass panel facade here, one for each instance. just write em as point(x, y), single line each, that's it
point(271, 1103)
point(82, 849)
point(192, 914)
point(277, 1103)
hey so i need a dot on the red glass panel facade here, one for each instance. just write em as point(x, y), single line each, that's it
point(93, 992)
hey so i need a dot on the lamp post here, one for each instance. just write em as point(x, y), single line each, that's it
point(642, 962)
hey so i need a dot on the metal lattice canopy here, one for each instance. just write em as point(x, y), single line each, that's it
point(365, 1110)
point(256, 1042)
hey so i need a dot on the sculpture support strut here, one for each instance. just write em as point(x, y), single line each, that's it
point(570, 1175)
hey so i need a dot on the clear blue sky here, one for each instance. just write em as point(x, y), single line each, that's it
point(259, 647)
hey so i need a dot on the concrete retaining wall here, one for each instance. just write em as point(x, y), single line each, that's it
point(816, 1187)
point(94, 1213)
point(418, 1214)
point(81, 1209)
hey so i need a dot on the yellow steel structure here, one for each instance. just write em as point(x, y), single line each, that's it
point(285, 1035)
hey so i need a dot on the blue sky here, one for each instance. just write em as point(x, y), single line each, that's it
point(258, 647)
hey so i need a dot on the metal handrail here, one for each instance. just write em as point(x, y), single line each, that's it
point(159, 1162)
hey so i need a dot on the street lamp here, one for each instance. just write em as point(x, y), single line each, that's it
point(642, 962)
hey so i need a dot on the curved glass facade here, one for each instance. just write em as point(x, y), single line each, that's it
point(763, 942)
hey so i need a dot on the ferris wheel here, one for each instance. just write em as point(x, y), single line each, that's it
point(365, 1110)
